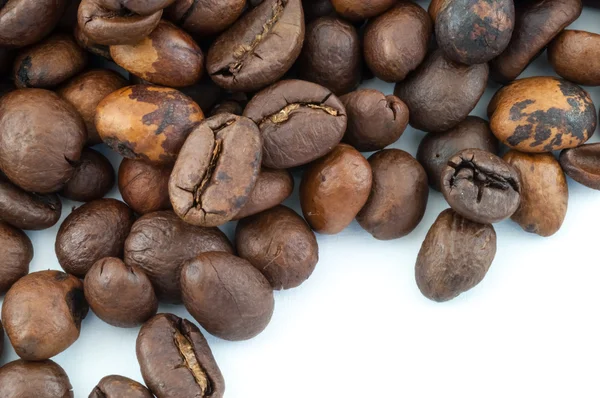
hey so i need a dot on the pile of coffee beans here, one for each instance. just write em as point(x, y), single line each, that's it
point(214, 106)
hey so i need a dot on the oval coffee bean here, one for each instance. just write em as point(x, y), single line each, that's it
point(436, 149)
point(25, 22)
point(119, 387)
point(398, 197)
point(31, 302)
point(119, 294)
point(272, 188)
point(583, 164)
point(216, 170)
point(542, 114)
point(227, 296)
point(45, 379)
point(205, 17)
point(16, 252)
point(147, 122)
point(575, 55)
point(356, 10)
point(544, 192)
point(144, 187)
point(299, 122)
point(176, 361)
point(259, 48)
point(91, 232)
point(454, 257)
point(94, 177)
point(159, 243)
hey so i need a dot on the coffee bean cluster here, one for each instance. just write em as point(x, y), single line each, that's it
point(215, 103)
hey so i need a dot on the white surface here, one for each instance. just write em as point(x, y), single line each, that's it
point(359, 327)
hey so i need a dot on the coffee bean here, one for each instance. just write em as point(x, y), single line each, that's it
point(119, 387)
point(299, 121)
point(16, 252)
point(398, 197)
point(143, 7)
point(216, 170)
point(434, 8)
point(481, 186)
point(205, 17)
point(226, 295)
point(144, 187)
point(356, 10)
point(25, 22)
point(574, 55)
point(119, 294)
point(454, 257)
point(159, 243)
point(42, 314)
point(45, 379)
point(272, 188)
point(176, 361)
point(89, 45)
point(91, 232)
point(93, 178)
point(583, 164)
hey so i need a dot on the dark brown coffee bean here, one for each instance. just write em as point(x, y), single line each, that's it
point(356, 10)
point(436, 149)
point(147, 122)
point(441, 93)
point(374, 119)
point(299, 121)
point(119, 387)
point(272, 188)
point(25, 22)
point(44, 379)
point(542, 114)
point(227, 296)
point(42, 314)
point(141, 7)
point(38, 152)
point(176, 361)
point(161, 242)
point(454, 257)
point(94, 177)
point(575, 55)
point(89, 45)
point(16, 252)
point(583, 164)
point(216, 170)
point(91, 232)
point(544, 192)
point(144, 187)
point(314, 9)
point(398, 196)
point(205, 17)
point(259, 48)
point(119, 294)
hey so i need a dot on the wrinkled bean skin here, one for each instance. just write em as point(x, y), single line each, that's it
point(119, 387)
point(25, 22)
point(34, 299)
point(91, 232)
point(575, 55)
point(356, 10)
point(272, 188)
point(144, 187)
point(16, 252)
point(455, 256)
point(544, 192)
point(45, 379)
point(583, 164)
point(93, 178)
point(205, 17)
point(176, 361)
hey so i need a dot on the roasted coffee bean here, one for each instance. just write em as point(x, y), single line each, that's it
point(16, 252)
point(299, 121)
point(436, 149)
point(176, 361)
point(544, 192)
point(542, 114)
point(280, 244)
point(119, 294)
point(91, 232)
point(537, 22)
point(147, 122)
point(259, 48)
point(42, 314)
point(575, 55)
point(39, 152)
point(94, 177)
point(141, 7)
point(356, 10)
point(44, 379)
point(583, 164)
point(481, 186)
point(86, 91)
point(398, 197)
point(89, 45)
point(205, 17)
point(454, 257)
point(272, 188)
point(374, 119)
point(314, 9)
point(216, 170)
point(226, 295)
point(25, 22)
point(119, 387)
point(161, 242)
point(144, 187)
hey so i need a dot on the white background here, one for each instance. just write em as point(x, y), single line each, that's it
point(359, 327)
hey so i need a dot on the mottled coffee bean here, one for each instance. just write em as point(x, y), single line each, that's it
point(45, 379)
point(396, 42)
point(119, 294)
point(89, 45)
point(436, 149)
point(575, 55)
point(314, 9)
point(398, 197)
point(24, 22)
point(537, 22)
point(272, 188)
point(16, 252)
point(39, 151)
point(454, 257)
point(86, 91)
point(280, 244)
point(42, 314)
point(299, 122)
point(441, 93)
point(147, 122)
point(544, 192)
point(374, 119)
point(583, 164)
point(161, 242)
point(356, 10)
point(542, 114)
point(259, 48)
point(226, 295)
point(205, 17)
point(91, 232)
point(216, 170)
point(176, 361)
point(144, 187)
point(94, 177)
point(119, 387)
